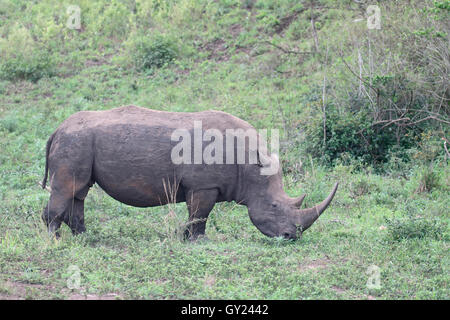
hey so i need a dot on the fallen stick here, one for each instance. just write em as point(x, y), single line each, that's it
point(46, 187)
point(445, 147)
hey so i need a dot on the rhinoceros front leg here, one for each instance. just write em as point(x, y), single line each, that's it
point(199, 203)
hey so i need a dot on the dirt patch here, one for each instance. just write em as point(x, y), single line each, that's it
point(7, 295)
point(94, 63)
point(235, 30)
point(210, 281)
point(342, 291)
point(285, 23)
point(182, 72)
point(12, 290)
point(108, 296)
point(314, 265)
point(98, 61)
point(47, 94)
point(216, 49)
point(338, 290)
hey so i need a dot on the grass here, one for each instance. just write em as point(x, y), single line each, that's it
point(131, 253)
point(135, 253)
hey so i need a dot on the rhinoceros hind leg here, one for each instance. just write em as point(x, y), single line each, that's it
point(74, 216)
point(66, 204)
point(53, 213)
point(199, 203)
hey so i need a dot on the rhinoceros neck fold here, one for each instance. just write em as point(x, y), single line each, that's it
point(240, 192)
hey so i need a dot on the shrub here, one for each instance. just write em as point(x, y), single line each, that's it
point(3, 86)
point(8, 124)
point(360, 187)
point(377, 108)
point(22, 58)
point(351, 134)
point(429, 180)
point(22, 67)
point(415, 227)
point(150, 52)
point(429, 148)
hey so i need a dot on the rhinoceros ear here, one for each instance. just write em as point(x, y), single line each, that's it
point(264, 160)
point(269, 164)
point(268, 161)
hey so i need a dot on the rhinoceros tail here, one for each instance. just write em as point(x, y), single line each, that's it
point(47, 151)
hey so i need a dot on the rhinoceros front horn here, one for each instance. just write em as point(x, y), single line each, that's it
point(306, 217)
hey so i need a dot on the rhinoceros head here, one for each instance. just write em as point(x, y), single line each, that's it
point(274, 213)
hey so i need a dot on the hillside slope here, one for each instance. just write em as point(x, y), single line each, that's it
point(365, 106)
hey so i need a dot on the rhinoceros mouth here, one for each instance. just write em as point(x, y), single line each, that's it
point(289, 236)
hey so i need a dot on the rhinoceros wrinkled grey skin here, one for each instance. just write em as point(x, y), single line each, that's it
point(127, 152)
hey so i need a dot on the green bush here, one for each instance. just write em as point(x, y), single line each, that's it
point(3, 86)
point(150, 52)
point(411, 227)
point(351, 134)
point(22, 58)
point(22, 67)
point(8, 124)
point(361, 187)
point(429, 180)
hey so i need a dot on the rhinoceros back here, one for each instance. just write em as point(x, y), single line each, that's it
point(131, 151)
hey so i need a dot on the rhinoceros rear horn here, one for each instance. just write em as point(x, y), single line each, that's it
point(297, 202)
point(306, 217)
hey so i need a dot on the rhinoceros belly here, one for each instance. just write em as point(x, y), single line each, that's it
point(132, 164)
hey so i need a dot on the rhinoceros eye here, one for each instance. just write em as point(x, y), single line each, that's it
point(274, 204)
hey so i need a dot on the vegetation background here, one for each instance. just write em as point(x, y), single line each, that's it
point(366, 107)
